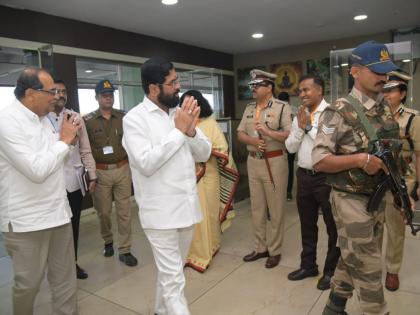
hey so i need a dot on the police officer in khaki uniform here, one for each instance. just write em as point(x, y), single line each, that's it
point(395, 93)
point(342, 150)
point(264, 127)
point(104, 127)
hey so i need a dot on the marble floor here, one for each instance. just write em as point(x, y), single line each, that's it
point(229, 286)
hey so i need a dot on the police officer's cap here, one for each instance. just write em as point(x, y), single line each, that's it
point(375, 56)
point(104, 86)
point(259, 76)
point(395, 79)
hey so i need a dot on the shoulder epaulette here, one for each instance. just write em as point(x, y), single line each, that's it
point(411, 111)
point(121, 111)
point(89, 115)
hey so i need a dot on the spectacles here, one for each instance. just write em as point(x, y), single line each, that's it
point(53, 92)
point(173, 83)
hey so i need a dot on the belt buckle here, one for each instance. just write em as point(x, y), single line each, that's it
point(112, 166)
point(259, 155)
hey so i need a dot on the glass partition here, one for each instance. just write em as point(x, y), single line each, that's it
point(12, 62)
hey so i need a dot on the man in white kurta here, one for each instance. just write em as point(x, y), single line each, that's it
point(163, 144)
point(34, 211)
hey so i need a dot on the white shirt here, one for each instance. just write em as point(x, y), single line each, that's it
point(302, 143)
point(80, 155)
point(162, 161)
point(32, 189)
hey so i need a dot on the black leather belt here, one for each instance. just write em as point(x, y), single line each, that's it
point(308, 172)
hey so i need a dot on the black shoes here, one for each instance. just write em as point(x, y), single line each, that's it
point(289, 196)
point(254, 256)
point(80, 273)
point(128, 259)
point(108, 250)
point(302, 274)
point(272, 261)
point(324, 283)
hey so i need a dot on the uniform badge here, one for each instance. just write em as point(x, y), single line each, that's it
point(328, 130)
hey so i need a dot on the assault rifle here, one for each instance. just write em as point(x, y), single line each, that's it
point(392, 181)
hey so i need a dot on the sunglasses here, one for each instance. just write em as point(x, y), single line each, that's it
point(257, 85)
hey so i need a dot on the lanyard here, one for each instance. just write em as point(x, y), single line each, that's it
point(54, 124)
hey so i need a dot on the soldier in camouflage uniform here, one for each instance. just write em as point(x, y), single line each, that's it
point(341, 149)
point(395, 93)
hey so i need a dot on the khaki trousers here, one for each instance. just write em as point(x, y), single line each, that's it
point(32, 253)
point(395, 226)
point(264, 199)
point(114, 183)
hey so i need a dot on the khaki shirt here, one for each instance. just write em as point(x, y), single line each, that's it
point(106, 133)
point(402, 115)
point(276, 116)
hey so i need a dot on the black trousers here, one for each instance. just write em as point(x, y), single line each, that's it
point(75, 201)
point(312, 194)
point(291, 163)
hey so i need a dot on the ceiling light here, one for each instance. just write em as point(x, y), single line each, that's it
point(257, 35)
point(88, 71)
point(360, 17)
point(406, 60)
point(344, 64)
point(169, 2)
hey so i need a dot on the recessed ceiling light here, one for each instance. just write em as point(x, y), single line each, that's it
point(360, 17)
point(344, 64)
point(88, 71)
point(257, 35)
point(406, 60)
point(169, 2)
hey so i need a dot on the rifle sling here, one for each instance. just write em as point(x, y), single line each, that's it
point(355, 103)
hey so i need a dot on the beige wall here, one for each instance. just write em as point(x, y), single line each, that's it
point(302, 53)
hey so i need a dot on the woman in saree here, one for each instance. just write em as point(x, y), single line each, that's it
point(217, 182)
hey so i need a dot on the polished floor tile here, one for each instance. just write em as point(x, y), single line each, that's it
point(229, 286)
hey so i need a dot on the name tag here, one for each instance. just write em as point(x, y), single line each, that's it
point(108, 149)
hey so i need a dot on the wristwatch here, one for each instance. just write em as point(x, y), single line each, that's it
point(308, 128)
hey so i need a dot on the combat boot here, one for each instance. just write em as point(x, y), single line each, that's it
point(335, 305)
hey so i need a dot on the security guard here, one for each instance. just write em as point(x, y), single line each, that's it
point(342, 149)
point(395, 93)
point(264, 127)
point(104, 127)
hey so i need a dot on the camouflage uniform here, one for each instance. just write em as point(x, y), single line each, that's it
point(393, 219)
point(342, 133)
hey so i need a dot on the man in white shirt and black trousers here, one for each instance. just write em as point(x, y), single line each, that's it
point(34, 211)
point(312, 191)
point(163, 144)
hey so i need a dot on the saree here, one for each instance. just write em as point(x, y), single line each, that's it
point(217, 182)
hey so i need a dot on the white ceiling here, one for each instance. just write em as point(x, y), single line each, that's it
point(227, 25)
